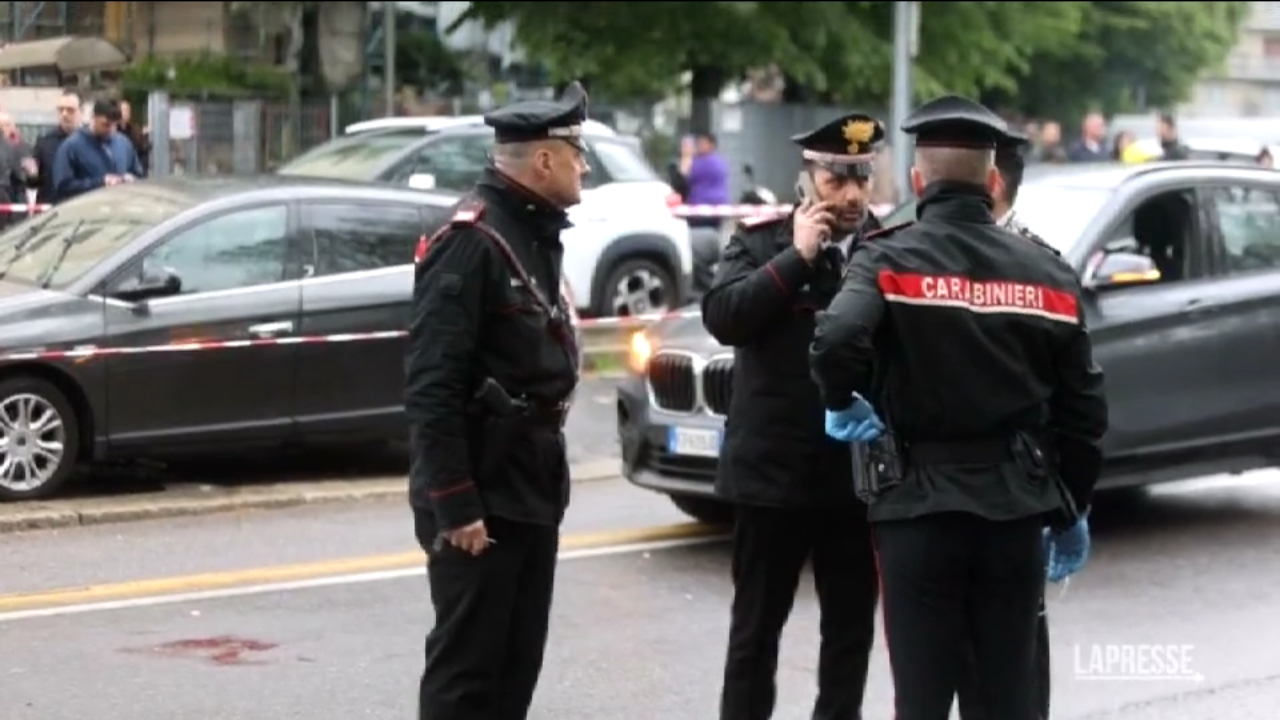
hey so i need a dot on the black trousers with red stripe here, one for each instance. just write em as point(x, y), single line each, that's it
point(970, 696)
point(957, 584)
point(484, 655)
point(770, 549)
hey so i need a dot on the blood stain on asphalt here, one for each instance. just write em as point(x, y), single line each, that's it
point(222, 650)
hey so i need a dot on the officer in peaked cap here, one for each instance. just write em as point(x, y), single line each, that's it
point(1010, 163)
point(790, 482)
point(491, 365)
point(559, 119)
point(985, 389)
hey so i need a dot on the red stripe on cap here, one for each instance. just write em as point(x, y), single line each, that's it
point(420, 252)
point(979, 296)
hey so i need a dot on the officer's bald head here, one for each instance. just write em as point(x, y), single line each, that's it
point(955, 164)
point(968, 165)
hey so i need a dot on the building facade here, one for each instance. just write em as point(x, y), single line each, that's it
point(1248, 83)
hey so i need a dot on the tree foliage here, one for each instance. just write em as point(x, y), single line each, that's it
point(1129, 55)
point(1036, 56)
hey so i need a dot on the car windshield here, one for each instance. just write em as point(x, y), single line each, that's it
point(357, 157)
point(102, 221)
point(1057, 213)
point(622, 163)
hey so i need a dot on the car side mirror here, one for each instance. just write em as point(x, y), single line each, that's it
point(148, 284)
point(422, 181)
point(1121, 269)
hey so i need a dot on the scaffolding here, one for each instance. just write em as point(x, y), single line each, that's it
point(20, 21)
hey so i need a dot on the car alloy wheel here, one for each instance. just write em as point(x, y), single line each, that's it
point(33, 442)
point(641, 291)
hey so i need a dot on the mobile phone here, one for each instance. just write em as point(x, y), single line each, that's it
point(805, 191)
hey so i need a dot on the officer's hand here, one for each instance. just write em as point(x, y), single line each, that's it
point(1069, 551)
point(473, 538)
point(812, 228)
point(856, 423)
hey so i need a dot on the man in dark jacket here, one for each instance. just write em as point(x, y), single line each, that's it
point(95, 156)
point(46, 147)
point(791, 483)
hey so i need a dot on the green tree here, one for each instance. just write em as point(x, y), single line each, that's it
point(841, 50)
point(1127, 55)
point(963, 47)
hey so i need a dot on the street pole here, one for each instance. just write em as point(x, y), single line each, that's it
point(906, 38)
point(389, 55)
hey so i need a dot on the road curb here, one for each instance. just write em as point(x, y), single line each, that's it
point(207, 500)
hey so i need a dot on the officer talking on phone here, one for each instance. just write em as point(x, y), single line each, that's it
point(963, 347)
point(792, 484)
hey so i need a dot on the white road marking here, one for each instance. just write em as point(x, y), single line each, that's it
point(1254, 479)
point(321, 582)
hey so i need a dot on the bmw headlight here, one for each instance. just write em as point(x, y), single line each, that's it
point(639, 352)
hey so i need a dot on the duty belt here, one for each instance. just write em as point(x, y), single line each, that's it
point(988, 451)
point(547, 415)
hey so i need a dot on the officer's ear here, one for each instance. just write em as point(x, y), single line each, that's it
point(543, 161)
point(917, 181)
point(995, 184)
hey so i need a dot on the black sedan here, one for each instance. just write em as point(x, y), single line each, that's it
point(1181, 268)
point(185, 314)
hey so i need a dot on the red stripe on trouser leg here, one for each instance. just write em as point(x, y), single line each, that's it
point(884, 618)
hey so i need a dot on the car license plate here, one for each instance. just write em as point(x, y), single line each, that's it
point(693, 441)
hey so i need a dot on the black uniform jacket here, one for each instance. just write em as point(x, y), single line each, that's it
point(46, 148)
point(776, 452)
point(977, 335)
point(474, 318)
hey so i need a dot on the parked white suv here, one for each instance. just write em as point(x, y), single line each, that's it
point(627, 253)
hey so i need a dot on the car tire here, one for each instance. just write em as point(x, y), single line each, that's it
point(705, 510)
point(34, 414)
point(650, 285)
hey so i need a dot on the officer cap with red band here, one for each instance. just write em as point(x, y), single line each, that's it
point(532, 120)
point(956, 122)
point(845, 146)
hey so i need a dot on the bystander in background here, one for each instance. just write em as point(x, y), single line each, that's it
point(1092, 145)
point(139, 135)
point(46, 147)
point(95, 156)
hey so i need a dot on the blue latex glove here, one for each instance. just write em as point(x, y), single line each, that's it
point(1068, 551)
point(856, 423)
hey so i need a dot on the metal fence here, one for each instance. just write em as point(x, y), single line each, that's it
point(232, 137)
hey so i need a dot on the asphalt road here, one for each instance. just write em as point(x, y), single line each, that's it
point(267, 616)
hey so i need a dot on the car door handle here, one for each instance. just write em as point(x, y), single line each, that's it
point(271, 328)
point(1199, 307)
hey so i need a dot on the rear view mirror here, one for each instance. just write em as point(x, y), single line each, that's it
point(1120, 269)
point(422, 181)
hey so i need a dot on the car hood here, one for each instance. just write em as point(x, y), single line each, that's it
point(684, 331)
point(623, 197)
point(31, 317)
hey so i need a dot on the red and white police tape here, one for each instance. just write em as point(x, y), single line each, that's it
point(84, 352)
point(743, 211)
point(23, 208)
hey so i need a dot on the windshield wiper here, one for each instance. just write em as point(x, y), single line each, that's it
point(21, 244)
point(68, 242)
